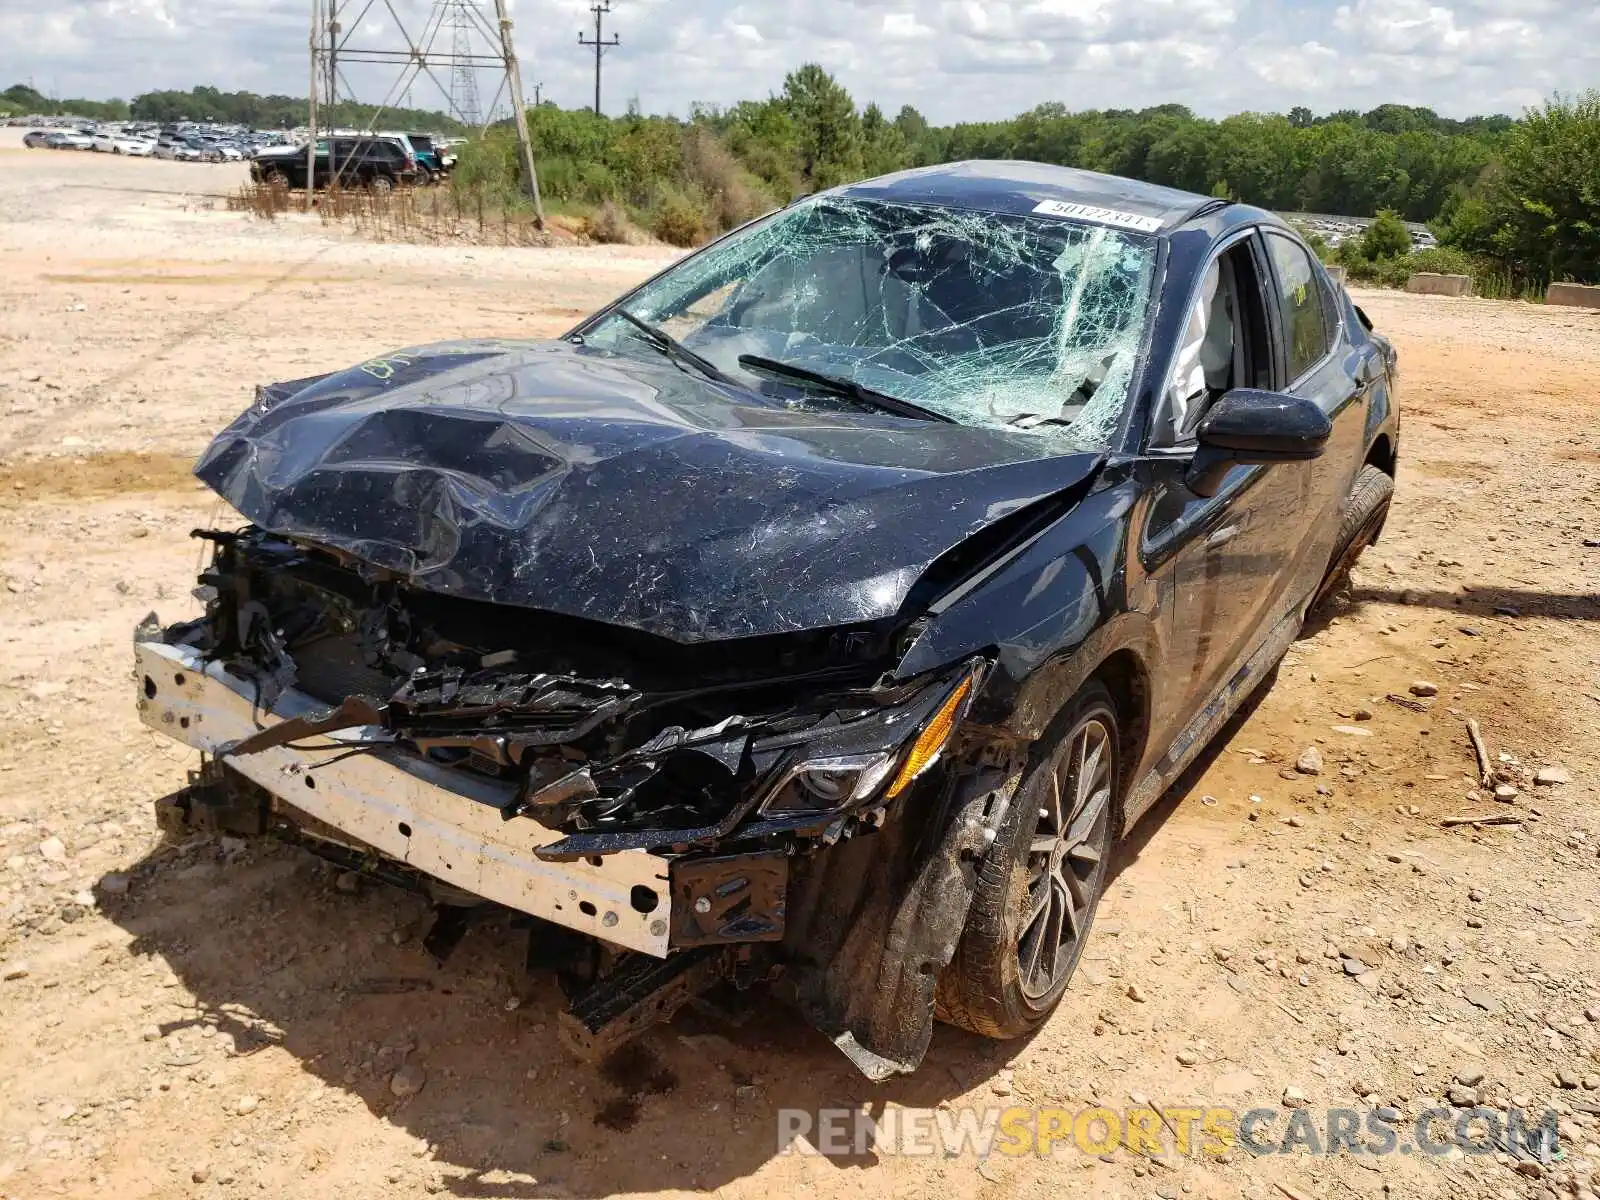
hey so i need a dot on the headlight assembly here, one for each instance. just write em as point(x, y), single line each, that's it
point(834, 781)
point(828, 784)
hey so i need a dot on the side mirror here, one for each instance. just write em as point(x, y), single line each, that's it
point(1247, 427)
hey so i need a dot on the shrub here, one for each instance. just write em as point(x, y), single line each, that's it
point(1393, 272)
point(677, 219)
point(1442, 260)
point(1386, 237)
point(610, 224)
point(733, 194)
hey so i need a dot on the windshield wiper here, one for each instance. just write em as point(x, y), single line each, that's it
point(842, 386)
point(674, 349)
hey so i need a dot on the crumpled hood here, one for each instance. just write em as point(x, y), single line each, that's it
point(618, 488)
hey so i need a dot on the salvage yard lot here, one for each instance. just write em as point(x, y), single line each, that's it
point(209, 1021)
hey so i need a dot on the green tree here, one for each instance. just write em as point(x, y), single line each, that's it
point(828, 126)
point(1537, 214)
point(1386, 237)
point(883, 146)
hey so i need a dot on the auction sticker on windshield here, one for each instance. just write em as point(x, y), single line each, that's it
point(1098, 216)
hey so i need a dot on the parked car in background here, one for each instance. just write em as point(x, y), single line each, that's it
point(35, 139)
point(430, 165)
point(108, 142)
point(377, 162)
point(181, 151)
point(825, 609)
point(66, 139)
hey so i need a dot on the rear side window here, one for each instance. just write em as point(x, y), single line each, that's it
point(1308, 320)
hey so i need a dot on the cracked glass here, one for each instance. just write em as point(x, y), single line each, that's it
point(1018, 322)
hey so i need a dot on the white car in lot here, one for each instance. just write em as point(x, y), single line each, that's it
point(119, 143)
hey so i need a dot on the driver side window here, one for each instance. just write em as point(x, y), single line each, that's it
point(1224, 344)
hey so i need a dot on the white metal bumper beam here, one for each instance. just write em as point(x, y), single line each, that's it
point(443, 822)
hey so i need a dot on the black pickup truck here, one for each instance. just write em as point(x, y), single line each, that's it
point(370, 162)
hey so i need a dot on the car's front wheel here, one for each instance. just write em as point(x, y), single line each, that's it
point(1041, 880)
point(381, 185)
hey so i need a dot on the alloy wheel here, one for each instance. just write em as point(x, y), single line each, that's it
point(1066, 856)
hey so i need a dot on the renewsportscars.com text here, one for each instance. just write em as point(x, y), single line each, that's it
point(1181, 1131)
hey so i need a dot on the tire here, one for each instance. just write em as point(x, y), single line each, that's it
point(1361, 519)
point(275, 178)
point(381, 185)
point(1000, 984)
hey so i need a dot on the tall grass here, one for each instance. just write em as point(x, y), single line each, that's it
point(431, 215)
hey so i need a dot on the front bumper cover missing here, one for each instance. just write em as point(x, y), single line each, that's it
point(442, 822)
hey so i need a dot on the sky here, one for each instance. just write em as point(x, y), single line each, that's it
point(953, 59)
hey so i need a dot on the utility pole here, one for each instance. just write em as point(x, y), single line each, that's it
point(334, 29)
point(599, 8)
point(311, 105)
point(530, 176)
point(538, 94)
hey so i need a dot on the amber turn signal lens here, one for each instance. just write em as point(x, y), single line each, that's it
point(931, 741)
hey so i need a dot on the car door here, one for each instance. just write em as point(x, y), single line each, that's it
point(1213, 558)
point(1320, 365)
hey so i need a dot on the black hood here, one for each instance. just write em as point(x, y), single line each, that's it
point(620, 489)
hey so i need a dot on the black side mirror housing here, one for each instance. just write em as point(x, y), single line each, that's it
point(1247, 427)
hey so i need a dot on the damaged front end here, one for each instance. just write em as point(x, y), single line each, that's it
point(756, 809)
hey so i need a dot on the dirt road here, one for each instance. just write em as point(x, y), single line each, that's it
point(219, 1020)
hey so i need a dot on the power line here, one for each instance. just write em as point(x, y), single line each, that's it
point(599, 8)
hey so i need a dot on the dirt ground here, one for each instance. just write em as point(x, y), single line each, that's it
point(215, 1019)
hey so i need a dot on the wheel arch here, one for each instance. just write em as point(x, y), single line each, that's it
point(1382, 455)
point(1127, 677)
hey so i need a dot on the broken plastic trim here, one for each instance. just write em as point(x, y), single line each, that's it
point(883, 735)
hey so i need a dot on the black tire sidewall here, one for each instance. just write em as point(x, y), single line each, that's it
point(1365, 507)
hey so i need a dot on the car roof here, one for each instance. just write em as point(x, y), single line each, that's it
point(1008, 186)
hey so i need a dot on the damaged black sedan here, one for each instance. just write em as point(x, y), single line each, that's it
point(818, 614)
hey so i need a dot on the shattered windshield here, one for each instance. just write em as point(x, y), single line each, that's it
point(1021, 322)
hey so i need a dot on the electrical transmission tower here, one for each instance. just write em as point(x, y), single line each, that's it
point(599, 8)
point(457, 15)
point(458, 38)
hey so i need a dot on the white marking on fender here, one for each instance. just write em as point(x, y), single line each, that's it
point(1098, 216)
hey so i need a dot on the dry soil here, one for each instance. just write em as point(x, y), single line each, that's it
point(217, 1020)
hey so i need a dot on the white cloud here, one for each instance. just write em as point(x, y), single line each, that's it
point(903, 25)
point(954, 59)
